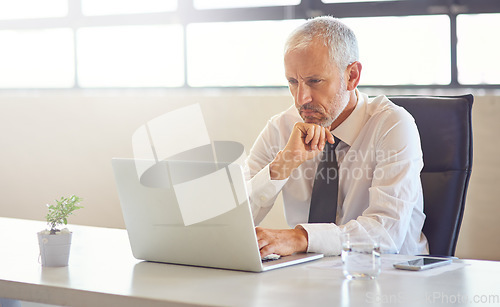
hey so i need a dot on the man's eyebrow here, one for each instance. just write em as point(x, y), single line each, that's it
point(314, 77)
point(307, 77)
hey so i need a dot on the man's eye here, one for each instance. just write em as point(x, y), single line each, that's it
point(292, 82)
point(315, 80)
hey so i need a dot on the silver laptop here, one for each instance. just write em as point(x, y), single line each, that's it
point(191, 213)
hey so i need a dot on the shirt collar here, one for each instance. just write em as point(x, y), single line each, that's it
point(349, 129)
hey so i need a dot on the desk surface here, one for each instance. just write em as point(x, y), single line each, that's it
point(103, 272)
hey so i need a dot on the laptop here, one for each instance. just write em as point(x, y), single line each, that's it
point(191, 213)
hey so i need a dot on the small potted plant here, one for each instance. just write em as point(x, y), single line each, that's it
point(55, 243)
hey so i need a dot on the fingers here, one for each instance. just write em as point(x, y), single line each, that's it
point(267, 250)
point(329, 136)
point(317, 136)
point(306, 142)
point(309, 134)
point(264, 242)
point(316, 140)
point(269, 242)
point(322, 139)
point(281, 241)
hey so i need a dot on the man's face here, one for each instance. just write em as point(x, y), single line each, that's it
point(316, 85)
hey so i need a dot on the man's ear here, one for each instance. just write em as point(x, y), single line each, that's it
point(353, 74)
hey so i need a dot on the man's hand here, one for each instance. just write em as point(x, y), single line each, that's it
point(306, 142)
point(283, 242)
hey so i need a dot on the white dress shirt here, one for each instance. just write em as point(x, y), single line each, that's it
point(380, 193)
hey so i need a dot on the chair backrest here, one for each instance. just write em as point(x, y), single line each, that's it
point(445, 128)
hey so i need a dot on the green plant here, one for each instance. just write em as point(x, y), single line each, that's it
point(58, 214)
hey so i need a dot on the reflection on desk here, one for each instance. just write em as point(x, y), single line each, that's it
point(103, 272)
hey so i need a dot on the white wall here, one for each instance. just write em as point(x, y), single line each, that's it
point(56, 143)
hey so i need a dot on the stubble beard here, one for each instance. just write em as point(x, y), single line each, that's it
point(338, 104)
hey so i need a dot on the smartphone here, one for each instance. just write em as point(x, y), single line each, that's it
point(422, 263)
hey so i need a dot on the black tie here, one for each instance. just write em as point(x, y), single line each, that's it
point(325, 189)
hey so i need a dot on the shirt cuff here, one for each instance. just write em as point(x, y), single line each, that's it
point(263, 188)
point(323, 238)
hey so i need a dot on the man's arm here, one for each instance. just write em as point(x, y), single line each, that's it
point(393, 200)
point(393, 204)
point(306, 142)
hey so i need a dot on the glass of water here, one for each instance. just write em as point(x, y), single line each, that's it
point(360, 256)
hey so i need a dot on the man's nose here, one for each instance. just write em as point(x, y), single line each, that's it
point(303, 94)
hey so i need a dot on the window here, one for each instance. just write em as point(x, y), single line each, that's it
point(237, 53)
point(399, 50)
point(347, 1)
point(110, 7)
point(228, 43)
point(478, 49)
point(131, 56)
point(26, 9)
point(215, 4)
point(37, 58)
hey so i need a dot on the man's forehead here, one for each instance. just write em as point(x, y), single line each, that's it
point(315, 44)
point(311, 58)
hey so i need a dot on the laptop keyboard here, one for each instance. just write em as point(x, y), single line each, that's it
point(270, 257)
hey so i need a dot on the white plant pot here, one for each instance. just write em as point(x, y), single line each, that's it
point(54, 249)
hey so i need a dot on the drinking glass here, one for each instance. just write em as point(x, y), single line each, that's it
point(360, 256)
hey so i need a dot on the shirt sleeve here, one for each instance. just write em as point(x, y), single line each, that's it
point(394, 196)
point(263, 191)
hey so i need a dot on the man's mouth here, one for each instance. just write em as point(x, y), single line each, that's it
point(310, 108)
point(309, 113)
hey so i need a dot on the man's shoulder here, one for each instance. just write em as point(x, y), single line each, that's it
point(385, 116)
point(381, 107)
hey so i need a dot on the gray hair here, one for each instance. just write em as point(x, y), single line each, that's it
point(339, 38)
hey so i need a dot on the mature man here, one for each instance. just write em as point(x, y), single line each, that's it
point(377, 152)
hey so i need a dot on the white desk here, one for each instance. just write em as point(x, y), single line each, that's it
point(102, 272)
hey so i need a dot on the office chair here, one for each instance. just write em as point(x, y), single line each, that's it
point(445, 128)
